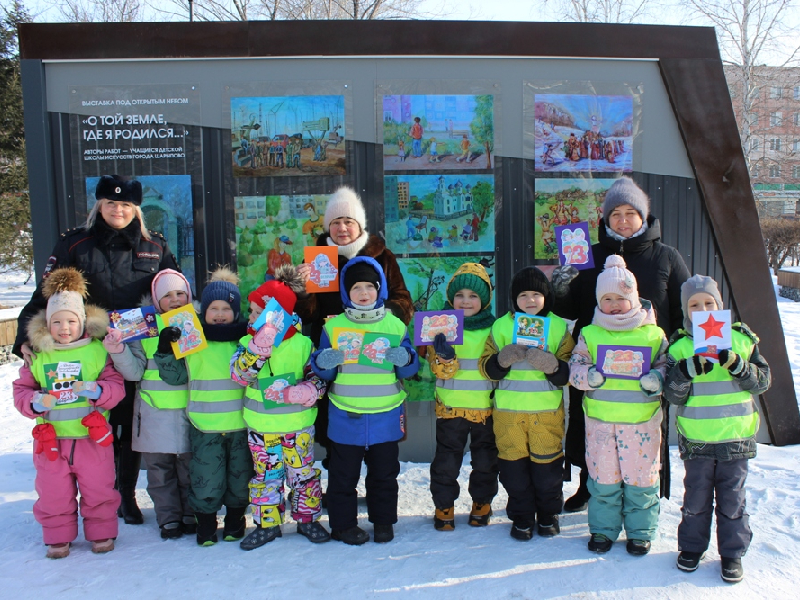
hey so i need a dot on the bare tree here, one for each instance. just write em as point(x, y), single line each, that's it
point(601, 11)
point(782, 240)
point(218, 10)
point(246, 10)
point(103, 11)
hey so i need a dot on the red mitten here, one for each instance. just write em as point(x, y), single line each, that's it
point(98, 428)
point(45, 436)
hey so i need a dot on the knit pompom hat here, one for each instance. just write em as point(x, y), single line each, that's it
point(616, 279)
point(284, 288)
point(532, 279)
point(695, 285)
point(344, 202)
point(223, 285)
point(65, 289)
point(625, 191)
point(166, 281)
point(471, 276)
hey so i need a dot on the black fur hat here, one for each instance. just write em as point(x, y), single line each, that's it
point(114, 187)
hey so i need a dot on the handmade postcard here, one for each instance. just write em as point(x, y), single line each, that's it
point(429, 323)
point(192, 338)
point(61, 379)
point(530, 330)
point(135, 323)
point(272, 388)
point(711, 331)
point(272, 325)
point(324, 275)
point(623, 362)
point(348, 341)
point(374, 347)
point(574, 247)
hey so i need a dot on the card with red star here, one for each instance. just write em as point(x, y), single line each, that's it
point(711, 331)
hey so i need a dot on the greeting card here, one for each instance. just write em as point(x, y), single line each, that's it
point(431, 322)
point(192, 338)
point(271, 325)
point(530, 330)
point(273, 388)
point(60, 379)
point(324, 273)
point(348, 341)
point(374, 347)
point(574, 247)
point(711, 331)
point(134, 323)
point(623, 362)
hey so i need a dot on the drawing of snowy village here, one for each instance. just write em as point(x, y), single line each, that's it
point(287, 135)
point(565, 201)
point(426, 214)
point(438, 132)
point(576, 132)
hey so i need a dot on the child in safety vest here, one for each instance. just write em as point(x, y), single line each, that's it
point(717, 422)
point(69, 388)
point(280, 407)
point(367, 411)
point(622, 413)
point(220, 466)
point(464, 403)
point(529, 408)
point(160, 425)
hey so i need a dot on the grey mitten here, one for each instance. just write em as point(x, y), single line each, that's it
point(561, 278)
point(330, 359)
point(399, 357)
point(513, 353)
point(595, 378)
point(695, 366)
point(651, 382)
point(541, 360)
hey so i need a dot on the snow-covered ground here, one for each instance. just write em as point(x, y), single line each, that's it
point(420, 563)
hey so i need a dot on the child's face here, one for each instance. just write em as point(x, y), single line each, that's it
point(699, 302)
point(219, 312)
point(530, 302)
point(65, 327)
point(173, 299)
point(363, 293)
point(468, 301)
point(614, 304)
point(255, 311)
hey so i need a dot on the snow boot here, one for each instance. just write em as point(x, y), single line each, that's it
point(260, 537)
point(732, 571)
point(206, 528)
point(580, 500)
point(600, 543)
point(235, 523)
point(548, 525)
point(171, 530)
point(103, 546)
point(689, 561)
point(383, 533)
point(444, 519)
point(355, 536)
point(314, 532)
point(638, 547)
point(57, 551)
point(189, 525)
point(480, 513)
point(522, 531)
point(128, 464)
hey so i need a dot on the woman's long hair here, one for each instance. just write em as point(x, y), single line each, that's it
point(137, 213)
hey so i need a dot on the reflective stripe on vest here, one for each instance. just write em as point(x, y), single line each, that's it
point(621, 400)
point(467, 388)
point(215, 400)
point(66, 417)
point(362, 388)
point(524, 389)
point(717, 410)
point(290, 357)
point(154, 391)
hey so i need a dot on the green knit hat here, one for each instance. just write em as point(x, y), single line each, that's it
point(471, 276)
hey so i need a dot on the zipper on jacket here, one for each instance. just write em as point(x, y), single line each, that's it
point(72, 452)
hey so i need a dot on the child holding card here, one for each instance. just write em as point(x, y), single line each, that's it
point(367, 412)
point(529, 408)
point(464, 403)
point(717, 423)
point(279, 409)
point(69, 389)
point(161, 427)
point(622, 415)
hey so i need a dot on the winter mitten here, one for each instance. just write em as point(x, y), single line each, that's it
point(263, 341)
point(165, 339)
point(695, 366)
point(561, 278)
point(98, 428)
point(513, 353)
point(45, 436)
point(731, 361)
point(330, 359)
point(42, 402)
point(113, 341)
point(304, 393)
point(651, 382)
point(442, 348)
point(595, 378)
point(88, 389)
point(541, 360)
point(399, 357)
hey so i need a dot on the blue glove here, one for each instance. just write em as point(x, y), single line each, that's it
point(399, 357)
point(595, 378)
point(651, 383)
point(90, 390)
point(42, 402)
point(442, 348)
point(330, 359)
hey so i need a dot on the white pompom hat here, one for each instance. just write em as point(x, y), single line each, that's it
point(344, 202)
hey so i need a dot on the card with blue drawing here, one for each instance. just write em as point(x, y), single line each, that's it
point(192, 337)
point(530, 330)
point(273, 388)
point(271, 326)
point(374, 347)
point(574, 247)
point(323, 276)
point(134, 323)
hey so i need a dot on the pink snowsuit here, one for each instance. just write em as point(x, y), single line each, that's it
point(81, 464)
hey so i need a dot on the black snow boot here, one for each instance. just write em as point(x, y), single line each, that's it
point(206, 528)
point(127, 465)
point(235, 523)
point(580, 500)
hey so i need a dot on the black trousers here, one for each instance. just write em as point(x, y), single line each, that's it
point(344, 471)
point(127, 462)
point(533, 489)
point(575, 441)
point(451, 438)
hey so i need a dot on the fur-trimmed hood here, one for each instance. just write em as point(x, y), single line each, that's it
point(42, 341)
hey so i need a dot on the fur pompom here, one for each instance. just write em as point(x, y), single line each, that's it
point(288, 275)
point(224, 274)
point(67, 279)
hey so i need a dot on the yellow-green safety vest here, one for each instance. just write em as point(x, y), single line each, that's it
point(66, 415)
point(717, 409)
point(215, 400)
point(154, 391)
point(621, 400)
point(467, 388)
point(525, 389)
point(363, 388)
point(272, 417)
